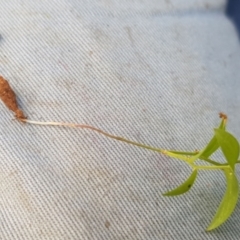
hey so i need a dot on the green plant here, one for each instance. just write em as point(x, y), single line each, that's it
point(221, 139)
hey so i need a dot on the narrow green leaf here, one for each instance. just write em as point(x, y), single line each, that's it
point(210, 148)
point(184, 187)
point(207, 151)
point(229, 201)
point(213, 145)
point(229, 146)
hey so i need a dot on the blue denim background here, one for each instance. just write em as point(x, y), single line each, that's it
point(156, 72)
point(233, 11)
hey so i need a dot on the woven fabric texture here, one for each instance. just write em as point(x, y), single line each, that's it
point(155, 72)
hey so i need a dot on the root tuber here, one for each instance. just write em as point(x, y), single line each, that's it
point(9, 98)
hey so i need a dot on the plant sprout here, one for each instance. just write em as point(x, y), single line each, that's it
point(221, 139)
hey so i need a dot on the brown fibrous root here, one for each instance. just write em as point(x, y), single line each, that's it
point(9, 98)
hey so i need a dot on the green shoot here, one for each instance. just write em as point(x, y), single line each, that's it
point(221, 139)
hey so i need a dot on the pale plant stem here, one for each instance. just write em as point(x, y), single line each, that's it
point(174, 154)
point(73, 125)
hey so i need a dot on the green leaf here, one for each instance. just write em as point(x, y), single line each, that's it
point(213, 145)
point(229, 201)
point(210, 148)
point(229, 146)
point(184, 187)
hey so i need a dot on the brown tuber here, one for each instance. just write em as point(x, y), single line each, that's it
point(9, 98)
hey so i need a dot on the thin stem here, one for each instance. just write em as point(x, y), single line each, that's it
point(178, 156)
point(210, 161)
point(211, 167)
point(73, 125)
point(185, 153)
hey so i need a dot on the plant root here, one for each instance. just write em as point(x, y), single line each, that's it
point(9, 98)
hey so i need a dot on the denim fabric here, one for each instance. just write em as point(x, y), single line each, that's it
point(156, 72)
point(233, 11)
